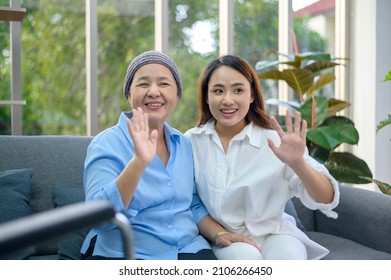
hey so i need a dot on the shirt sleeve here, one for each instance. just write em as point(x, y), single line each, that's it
point(102, 168)
point(298, 189)
point(198, 209)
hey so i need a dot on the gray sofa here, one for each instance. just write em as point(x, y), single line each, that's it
point(52, 167)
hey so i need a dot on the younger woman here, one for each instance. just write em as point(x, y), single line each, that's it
point(247, 167)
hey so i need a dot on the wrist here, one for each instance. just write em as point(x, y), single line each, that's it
point(217, 235)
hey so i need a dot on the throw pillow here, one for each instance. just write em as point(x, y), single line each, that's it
point(69, 247)
point(62, 196)
point(15, 194)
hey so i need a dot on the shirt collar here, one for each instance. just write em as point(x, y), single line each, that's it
point(173, 133)
point(252, 132)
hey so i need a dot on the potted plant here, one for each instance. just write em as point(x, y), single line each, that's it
point(306, 74)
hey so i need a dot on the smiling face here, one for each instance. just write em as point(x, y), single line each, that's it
point(155, 91)
point(229, 98)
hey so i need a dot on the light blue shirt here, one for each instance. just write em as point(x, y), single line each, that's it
point(165, 208)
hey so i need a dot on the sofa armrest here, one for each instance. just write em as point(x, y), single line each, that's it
point(364, 216)
point(22, 234)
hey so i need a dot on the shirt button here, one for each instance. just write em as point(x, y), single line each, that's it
point(169, 184)
point(173, 248)
point(170, 226)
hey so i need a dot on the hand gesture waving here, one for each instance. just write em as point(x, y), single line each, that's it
point(145, 142)
point(293, 142)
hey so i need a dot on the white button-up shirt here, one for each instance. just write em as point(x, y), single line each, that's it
point(246, 189)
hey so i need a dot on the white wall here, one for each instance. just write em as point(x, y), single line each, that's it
point(371, 99)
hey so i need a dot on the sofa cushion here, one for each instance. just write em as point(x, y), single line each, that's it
point(345, 249)
point(15, 190)
point(69, 247)
point(291, 210)
point(62, 196)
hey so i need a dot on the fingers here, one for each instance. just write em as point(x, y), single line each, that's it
point(276, 126)
point(288, 121)
point(138, 124)
point(299, 127)
point(296, 128)
point(271, 145)
point(139, 120)
point(303, 133)
point(153, 137)
point(228, 239)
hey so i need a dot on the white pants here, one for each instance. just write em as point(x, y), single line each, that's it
point(275, 247)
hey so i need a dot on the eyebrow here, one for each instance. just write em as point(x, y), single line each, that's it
point(159, 78)
point(232, 85)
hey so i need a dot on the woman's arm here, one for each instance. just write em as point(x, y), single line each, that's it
point(145, 149)
point(213, 231)
point(291, 151)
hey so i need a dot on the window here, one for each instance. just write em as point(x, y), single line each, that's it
point(54, 67)
point(193, 42)
point(125, 29)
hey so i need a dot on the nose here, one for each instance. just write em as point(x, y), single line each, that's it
point(153, 90)
point(228, 98)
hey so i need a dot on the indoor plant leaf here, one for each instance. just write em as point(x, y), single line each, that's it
point(319, 153)
point(336, 105)
point(325, 137)
point(384, 187)
point(272, 74)
point(332, 136)
point(300, 80)
point(337, 120)
point(317, 66)
point(321, 82)
point(321, 110)
point(346, 167)
point(383, 123)
point(387, 77)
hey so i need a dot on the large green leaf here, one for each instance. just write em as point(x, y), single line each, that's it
point(272, 74)
point(331, 136)
point(324, 136)
point(319, 153)
point(318, 66)
point(321, 110)
point(321, 82)
point(336, 105)
point(300, 80)
point(349, 133)
point(346, 167)
point(337, 120)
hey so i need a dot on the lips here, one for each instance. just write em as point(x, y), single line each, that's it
point(228, 111)
point(154, 105)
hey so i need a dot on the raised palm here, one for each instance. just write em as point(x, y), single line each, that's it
point(145, 142)
point(293, 141)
